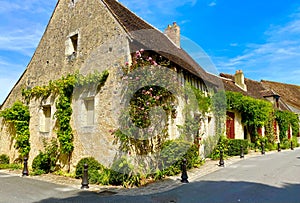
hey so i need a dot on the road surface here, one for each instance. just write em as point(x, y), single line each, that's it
point(274, 177)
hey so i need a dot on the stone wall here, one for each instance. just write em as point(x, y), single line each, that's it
point(95, 27)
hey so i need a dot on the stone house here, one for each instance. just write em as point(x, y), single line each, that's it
point(97, 35)
point(264, 90)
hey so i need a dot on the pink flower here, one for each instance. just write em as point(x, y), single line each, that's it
point(150, 130)
point(138, 54)
point(127, 63)
point(151, 89)
point(154, 63)
point(149, 59)
point(137, 78)
point(142, 50)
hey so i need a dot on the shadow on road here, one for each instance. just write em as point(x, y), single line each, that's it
point(202, 191)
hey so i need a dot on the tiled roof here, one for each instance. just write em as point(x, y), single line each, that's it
point(289, 93)
point(254, 88)
point(150, 38)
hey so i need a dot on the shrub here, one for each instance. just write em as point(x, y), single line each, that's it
point(41, 164)
point(285, 143)
point(93, 165)
point(46, 161)
point(295, 141)
point(4, 159)
point(222, 145)
point(234, 147)
point(122, 173)
point(230, 147)
point(172, 153)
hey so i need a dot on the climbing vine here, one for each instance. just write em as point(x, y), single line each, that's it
point(63, 87)
point(19, 116)
point(285, 119)
point(147, 98)
point(255, 112)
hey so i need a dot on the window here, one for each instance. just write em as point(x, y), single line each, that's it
point(74, 40)
point(45, 118)
point(72, 46)
point(90, 106)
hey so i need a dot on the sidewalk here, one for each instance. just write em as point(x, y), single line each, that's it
point(159, 186)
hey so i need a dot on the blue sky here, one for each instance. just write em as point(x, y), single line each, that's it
point(261, 37)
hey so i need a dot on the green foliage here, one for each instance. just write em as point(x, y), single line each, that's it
point(295, 141)
point(121, 172)
point(64, 88)
point(172, 154)
point(45, 162)
point(285, 143)
point(230, 147)
point(19, 116)
point(4, 159)
point(146, 98)
point(204, 102)
point(144, 118)
point(196, 107)
point(221, 146)
point(286, 119)
point(234, 147)
point(12, 166)
point(255, 112)
point(93, 166)
point(219, 110)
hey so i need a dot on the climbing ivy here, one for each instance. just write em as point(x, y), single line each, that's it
point(63, 87)
point(19, 116)
point(286, 119)
point(255, 112)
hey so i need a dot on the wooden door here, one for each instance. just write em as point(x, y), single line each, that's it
point(230, 125)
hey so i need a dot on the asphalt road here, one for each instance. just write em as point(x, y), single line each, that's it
point(273, 177)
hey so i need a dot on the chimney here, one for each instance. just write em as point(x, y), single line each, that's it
point(173, 32)
point(239, 79)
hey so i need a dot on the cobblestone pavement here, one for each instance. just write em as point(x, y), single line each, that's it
point(160, 186)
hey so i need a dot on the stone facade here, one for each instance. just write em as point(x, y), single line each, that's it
point(85, 36)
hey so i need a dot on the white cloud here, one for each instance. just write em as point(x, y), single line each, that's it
point(22, 41)
point(31, 6)
point(24, 23)
point(211, 4)
point(276, 59)
point(233, 44)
